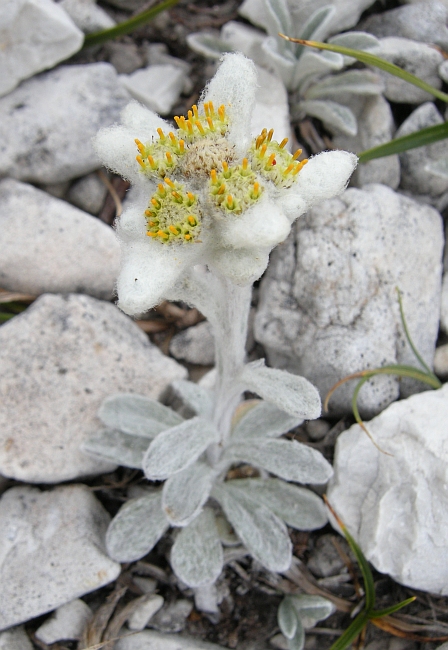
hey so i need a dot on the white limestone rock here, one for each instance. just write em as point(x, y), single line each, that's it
point(49, 246)
point(416, 176)
point(88, 193)
point(420, 59)
point(47, 124)
point(375, 126)
point(422, 21)
point(61, 358)
point(67, 622)
point(328, 304)
point(443, 70)
point(87, 15)
point(194, 345)
point(396, 505)
point(35, 35)
point(51, 549)
point(441, 361)
point(158, 87)
point(15, 639)
point(172, 617)
point(144, 611)
point(150, 640)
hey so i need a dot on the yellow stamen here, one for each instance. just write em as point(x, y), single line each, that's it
point(289, 169)
point(245, 161)
point(152, 224)
point(263, 150)
point(140, 146)
point(172, 137)
point(187, 237)
point(148, 213)
point(283, 143)
point(300, 166)
point(162, 190)
point(271, 160)
point(151, 162)
point(191, 220)
point(256, 190)
point(177, 196)
point(177, 120)
point(174, 230)
point(221, 112)
point(139, 159)
point(182, 146)
point(211, 126)
point(160, 233)
point(169, 157)
point(200, 127)
point(189, 127)
point(190, 115)
point(297, 154)
point(152, 234)
point(206, 109)
point(155, 202)
point(213, 176)
point(169, 182)
point(190, 198)
point(225, 166)
point(230, 203)
point(161, 134)
point(222, 189)
point(195, 111)
point(270, 134)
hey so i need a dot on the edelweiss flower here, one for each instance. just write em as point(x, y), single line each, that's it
point(206, 192)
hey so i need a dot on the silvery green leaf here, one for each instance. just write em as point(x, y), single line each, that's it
point(290, 393)
point(317, 25)
point(314, 63)
point(137, 528)
point(137, 415)
point(185, 493)
point(208, 44)
point(196, 556)
point(354, 82)
point(263, 534)
point(438, 167)
point(278, 16)
point(337, 118)
point(226, 532)
point(177, 448)
point(311, 609)
point(199, 399)
point(289, 459)
point(118, 447)
point(298, 640)
point(298, 507)
point(283, 60)
point(264, 420)
point(287, 618)
point(356, 41)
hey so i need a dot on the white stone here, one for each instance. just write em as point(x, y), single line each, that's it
point(125, 57)
point(194, 345)
point(271, 107)
point(443, 70)
point(51, 550)
point(444, 304)
point(35, 35)
point(441, 360)
point(396, 505)
point(61, 358)
point(47, 124)
point(422, 21)
point(147, 585)
point(88, 193)
point(172, 617)
point(67, 622)
point(420, 59)
point(87, 15)
point(144, 612)
point(149, 640)
point(158, 86)
point(328, 304)
point(375, 126)
point(415, 176)
point(50, 246)
point(15, 639)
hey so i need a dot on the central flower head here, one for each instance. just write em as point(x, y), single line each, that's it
point(207, 192)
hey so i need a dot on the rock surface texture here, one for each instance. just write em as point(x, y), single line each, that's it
point(47, 124)
point(396, 505)
point(61, 358)
point(67, 622)
point(35, 35)
point(149, 640)
point(52, 550)
point(328, 304)
point(194, 345)
point(50, 246)
point(158, 86)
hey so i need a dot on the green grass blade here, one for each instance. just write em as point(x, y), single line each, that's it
point(350, 634)
point(408, 336)
point(379, 613)
point(412, 141)
point(376, 61)
point(97, 38)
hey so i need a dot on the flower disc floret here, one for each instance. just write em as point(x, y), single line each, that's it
point(273, 161)
point(211, 124)
point(173, 214)
point(236, 188)
point(160, 157)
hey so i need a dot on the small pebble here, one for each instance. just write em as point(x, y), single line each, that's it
point(317, 429)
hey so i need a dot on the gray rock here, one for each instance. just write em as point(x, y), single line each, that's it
point(317, 429)
point(420, 59)
point(444, 305)
point(15, 639)
point(443, 70)
point(47, 124)
point(125, 57)
point(149, 640)
point(441, 360)
point(172, 617)
point(194, 345)
point(396, 504)
point(87, 15)
point(375, 126)
point(35, 35)
point(158, 86)
point(61, 358)
point(422, 21)
point(415, 175)
point(324, 559)
point(328, 305)
point(67, 622)
point(144, 611)
point(129, 5)
point(52, 550)
point(51, 247)
point(88, 193)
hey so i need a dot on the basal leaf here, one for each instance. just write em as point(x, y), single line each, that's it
point(208, 44)
point(335, 116)
point(264, 420)
point(354, 82)
point(311, 609)
point(137, 415)
point(117, 447)
point(199, 399)
point(185, 493)
point(287, 618)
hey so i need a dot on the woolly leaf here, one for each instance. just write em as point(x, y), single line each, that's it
point(298, 640)
point(196, 397)
point(177, 448)
point(298, 507)
point(290, 393)
point(311, 609)
point(208, 44)
point(264, 535)
point(287, 618)
point(266, 420)
point(137, 528)
point(278, 16)
point(117, 447)
point(185, 493)
point(137, 415)
point(355, 82)
point(355, 40)
point(334, 116)
point(317, 24)
point(289, 459)
point(197, 556)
